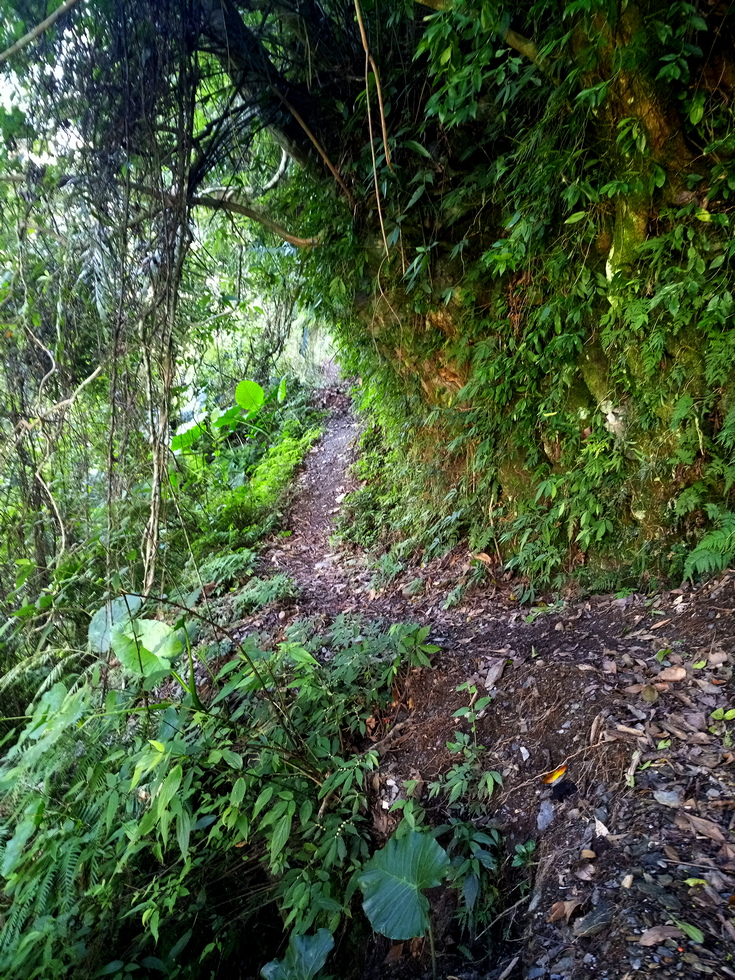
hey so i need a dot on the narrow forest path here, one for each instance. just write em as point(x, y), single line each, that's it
point(634, 866)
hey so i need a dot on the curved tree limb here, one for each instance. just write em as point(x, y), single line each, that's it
point(37, 31)
point(223, 204)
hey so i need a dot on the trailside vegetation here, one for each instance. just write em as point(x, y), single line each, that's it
point(516, 221)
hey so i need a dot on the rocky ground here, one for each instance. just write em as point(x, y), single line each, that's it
point(633, 872)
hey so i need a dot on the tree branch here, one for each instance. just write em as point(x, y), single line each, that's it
point(37, 31)
point(223, 204)
point(513, 39)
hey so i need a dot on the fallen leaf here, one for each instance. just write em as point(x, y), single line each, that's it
point(657, 626)
point(588, 854)
point(551, 777)
point(649, 694)
point(563, 910)
point(706, 827)
point(672, 674)
point(481, 556)
point(627, 881)
point(716, 658)
point(634, 689)
point(609, 667)
point(394, 954)
point(585, 873)
point(656, 935)
point(495, 672)
point(600, 829)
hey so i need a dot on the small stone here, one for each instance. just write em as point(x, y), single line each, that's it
point(594, 922)
point(545, 815)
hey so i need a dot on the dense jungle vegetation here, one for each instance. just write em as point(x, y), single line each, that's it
point(514, 222)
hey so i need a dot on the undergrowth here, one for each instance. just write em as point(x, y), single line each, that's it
point(257, 797)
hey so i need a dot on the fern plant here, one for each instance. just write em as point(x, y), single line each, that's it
point(716, 550)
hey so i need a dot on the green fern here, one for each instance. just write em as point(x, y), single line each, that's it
point(226, 569)
point(715, 551)
point(262, 591)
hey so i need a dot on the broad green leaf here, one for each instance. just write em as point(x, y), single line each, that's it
point(238, 792)
point(282, 390)
point(417, 148)
point(183, 832)
point(695, 934)
point(146, 645)
point(169, 787)
point(249, 395)
point(574, 218)
point(393, 882)
point(117, 612)
point(282, 832)
point(304, 958)
point(112, 967)
point(187, 437)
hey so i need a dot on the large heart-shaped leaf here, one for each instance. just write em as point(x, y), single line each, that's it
point(117, 612)
point(146, 645)
point(304, 958)
point(393, 882)
point(249, 395)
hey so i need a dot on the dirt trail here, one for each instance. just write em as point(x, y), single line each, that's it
point(634, 866)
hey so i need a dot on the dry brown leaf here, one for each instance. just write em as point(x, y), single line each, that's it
point(585, 873)
point(716, 658)
point(588, 854)
point(656, 935)
point(706, 827)
point(563, 910)
point(672, 674)
point(494, 672)
point(657, 626)
point(481, 556)
point(394, 954)
point(609, 667)
point(634, 689)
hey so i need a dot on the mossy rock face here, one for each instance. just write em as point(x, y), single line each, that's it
point(594, 367)
point(515, 477)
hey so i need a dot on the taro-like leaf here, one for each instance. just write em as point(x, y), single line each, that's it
point(304, 958)
point(394, 880)
point(117, 612)
point(249, 395)
point(146, 645)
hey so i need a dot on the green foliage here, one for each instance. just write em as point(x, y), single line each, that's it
point(263, 790)
point(223, 570)
point(715, 551)
point(524, 854)
point(473, 855)
point(259, 592)
point(304, 958)
point(394, 880)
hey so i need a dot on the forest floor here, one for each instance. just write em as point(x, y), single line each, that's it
point(633, 871)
